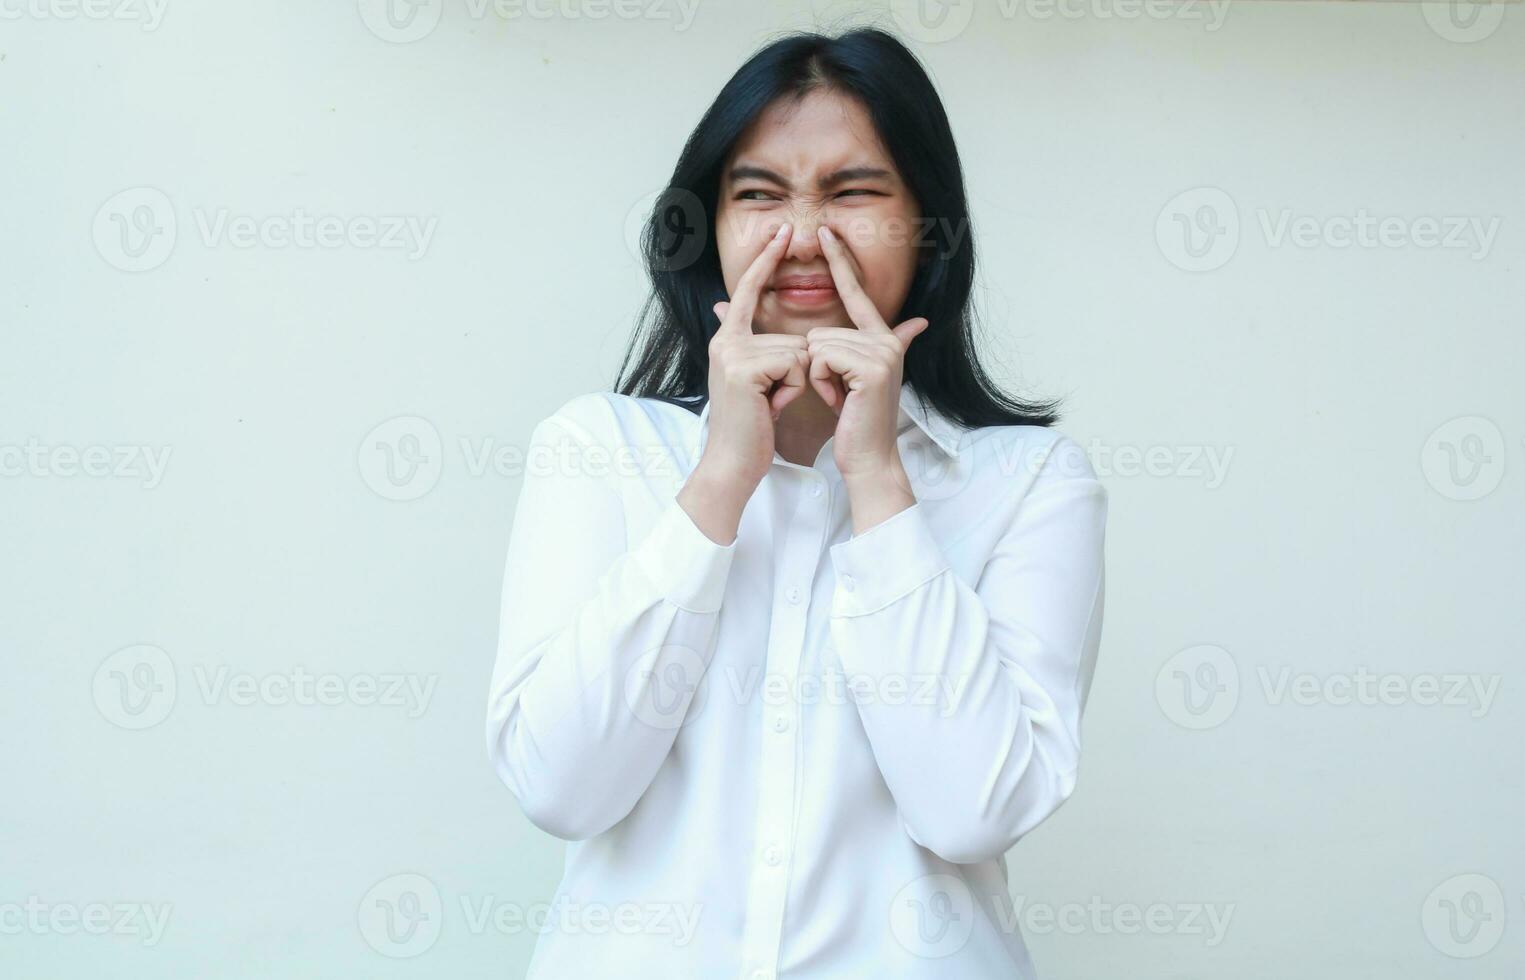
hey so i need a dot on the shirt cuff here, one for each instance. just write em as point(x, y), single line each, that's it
point(688, 568)
point(884, 563)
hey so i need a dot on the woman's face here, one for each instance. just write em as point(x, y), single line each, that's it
point(813, 162)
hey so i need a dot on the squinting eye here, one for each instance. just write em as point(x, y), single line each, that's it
point(857, 191)
point(742, 195)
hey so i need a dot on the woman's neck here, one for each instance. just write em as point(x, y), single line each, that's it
point(803, 428)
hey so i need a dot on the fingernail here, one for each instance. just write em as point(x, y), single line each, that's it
point(825, 232)
point(781, 230)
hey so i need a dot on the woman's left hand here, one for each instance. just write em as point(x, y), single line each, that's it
point(858, 372)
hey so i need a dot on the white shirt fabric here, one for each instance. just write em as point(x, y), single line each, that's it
point(803, 754)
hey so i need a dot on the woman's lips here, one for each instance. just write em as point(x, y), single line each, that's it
point(809, 296)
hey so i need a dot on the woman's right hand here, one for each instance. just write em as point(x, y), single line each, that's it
point(752, 377)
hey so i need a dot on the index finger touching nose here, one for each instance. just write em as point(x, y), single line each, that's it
point(749, 288)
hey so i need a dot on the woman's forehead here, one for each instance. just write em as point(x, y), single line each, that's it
point(824, 131)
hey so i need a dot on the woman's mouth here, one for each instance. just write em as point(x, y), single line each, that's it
point(807, 290)
point(808, 295)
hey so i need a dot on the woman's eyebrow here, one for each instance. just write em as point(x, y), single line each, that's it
point(748, 172)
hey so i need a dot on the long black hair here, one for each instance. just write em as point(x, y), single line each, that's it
point(671, 347)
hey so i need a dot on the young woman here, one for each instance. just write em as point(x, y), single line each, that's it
point(798, 623)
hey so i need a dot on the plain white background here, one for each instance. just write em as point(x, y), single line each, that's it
point(258, 471)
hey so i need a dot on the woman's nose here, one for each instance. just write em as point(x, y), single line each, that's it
point(804, 244)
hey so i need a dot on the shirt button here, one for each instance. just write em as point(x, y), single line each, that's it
point(781, 723)
point(762, 975)
point(794, 593)
point(773, 856)
point(815, 488)
point(848, 583)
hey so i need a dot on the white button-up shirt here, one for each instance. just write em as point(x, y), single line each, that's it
point(803, 754)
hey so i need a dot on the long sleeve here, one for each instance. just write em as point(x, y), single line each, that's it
point(997, 750)
point(601, 642)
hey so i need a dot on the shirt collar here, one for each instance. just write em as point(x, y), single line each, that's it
point(944, 433)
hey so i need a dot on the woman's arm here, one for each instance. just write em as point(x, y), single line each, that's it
point(600, 647)
point(1010, 661)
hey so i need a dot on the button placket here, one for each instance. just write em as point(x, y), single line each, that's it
point(774, 826)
